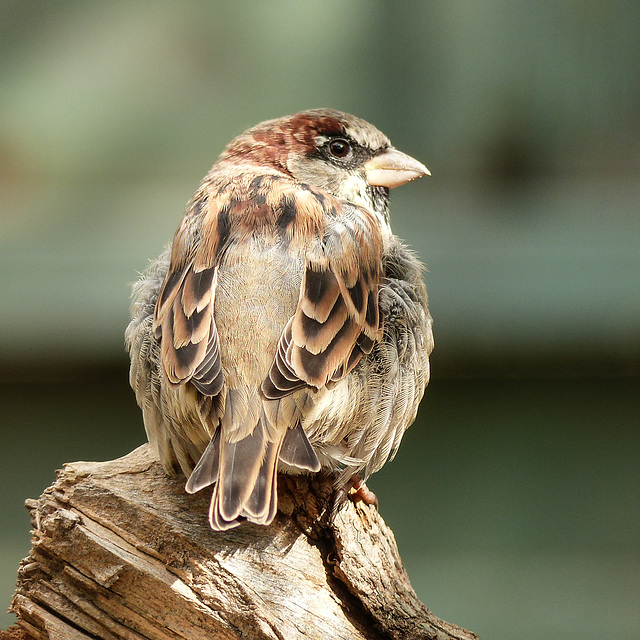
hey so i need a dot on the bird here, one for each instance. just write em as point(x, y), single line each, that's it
point(285, 329)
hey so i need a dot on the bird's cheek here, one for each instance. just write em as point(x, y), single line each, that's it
point(354, 189)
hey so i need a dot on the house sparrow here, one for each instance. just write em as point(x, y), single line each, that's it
point(286, 328)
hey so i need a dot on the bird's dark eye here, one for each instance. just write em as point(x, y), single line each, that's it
point(339, 148)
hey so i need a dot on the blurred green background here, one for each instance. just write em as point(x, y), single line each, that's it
point(514, 498)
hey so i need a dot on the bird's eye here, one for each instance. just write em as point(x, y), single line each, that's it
point(339, 148)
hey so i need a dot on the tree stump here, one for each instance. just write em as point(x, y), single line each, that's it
point(120, 551)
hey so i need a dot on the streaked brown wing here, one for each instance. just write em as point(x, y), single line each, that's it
point(337, 318)
point(223, 213)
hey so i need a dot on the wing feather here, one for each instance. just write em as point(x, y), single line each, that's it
point(184, 323)
point(337, 318)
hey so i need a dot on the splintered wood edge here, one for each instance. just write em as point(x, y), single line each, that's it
point(120, 551)
point(139, 460)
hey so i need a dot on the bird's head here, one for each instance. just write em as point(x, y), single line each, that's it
point(338, 152)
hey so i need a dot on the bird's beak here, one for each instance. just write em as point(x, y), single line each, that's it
point(393, 168)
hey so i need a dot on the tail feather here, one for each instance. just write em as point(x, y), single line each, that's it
point(240, 464)
point(244, 473)
point(206, 471)
point(263, 501)
point(297, 451)
point(246, 486)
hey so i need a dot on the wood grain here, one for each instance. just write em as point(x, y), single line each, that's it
point(121, 551)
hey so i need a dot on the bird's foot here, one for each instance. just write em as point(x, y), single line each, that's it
point(360, 492)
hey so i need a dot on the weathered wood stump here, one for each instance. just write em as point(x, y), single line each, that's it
point(121, 551)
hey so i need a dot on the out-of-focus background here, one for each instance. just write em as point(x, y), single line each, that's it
point(515, 497)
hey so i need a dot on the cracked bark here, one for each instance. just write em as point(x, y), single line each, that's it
point(121, 551)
